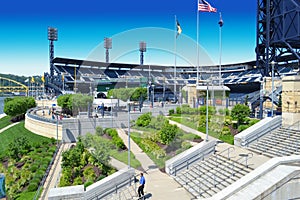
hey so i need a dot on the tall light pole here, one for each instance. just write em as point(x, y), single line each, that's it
point(142, 50)
point(153, 95)
point(107, 46)
point(111, 112)
point(206, 111)
point(272, 64)
point(128, 133)
point(52, 36)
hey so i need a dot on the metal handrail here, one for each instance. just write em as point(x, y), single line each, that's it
point(41, 185)
point(206, 177)
point(296, 123)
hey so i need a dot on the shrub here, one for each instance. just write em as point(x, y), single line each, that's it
point(143, 120)
point(168, 133)
point(88, 183)
point(242, 127)
point(32, 187)
point(171, 112)
point(225, 131)
point(178, 110)
point(99, 131)
point(186, 145)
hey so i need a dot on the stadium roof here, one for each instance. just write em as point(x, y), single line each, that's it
point(79, 63)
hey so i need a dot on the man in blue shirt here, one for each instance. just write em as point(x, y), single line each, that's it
point(142, 185)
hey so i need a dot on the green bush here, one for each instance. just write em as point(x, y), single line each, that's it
point(253, 121)
point(115, 138)
point(88, 183)
point(171, 112)
point(178, 110)
point(225, 131)
point(186, 145)
point(143, 120)
point(32, 187)
point(33, 168)
point(99, 131)
point(242, 128)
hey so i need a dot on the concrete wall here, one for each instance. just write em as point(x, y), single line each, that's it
point(278, 178)
point(44, 128)
point(98, 190)
point(256, 131)
point(290, 100)
point(187, 158)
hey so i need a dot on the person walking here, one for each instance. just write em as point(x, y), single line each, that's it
point(141, 187)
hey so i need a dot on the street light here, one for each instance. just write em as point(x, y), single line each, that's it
point(153, 95)
point(128, 133)
point(206, 111)
point(111, 112)
point(272, 64)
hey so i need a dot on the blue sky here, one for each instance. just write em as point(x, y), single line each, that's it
point(82, 26)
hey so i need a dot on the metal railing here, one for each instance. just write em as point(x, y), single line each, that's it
point(41, 185)
point(211, 177)
point(114, 189)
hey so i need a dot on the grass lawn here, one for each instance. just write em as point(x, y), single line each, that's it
point(16, 131)
point(187, 122)
point(123, 157)
point(5, 121)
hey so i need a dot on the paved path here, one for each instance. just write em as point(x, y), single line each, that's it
point(52, 179)
point(190, 130)
point(9, 126)
point(159, 185)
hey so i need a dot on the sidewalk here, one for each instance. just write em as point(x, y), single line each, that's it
point(9, 126)
point(159, 185)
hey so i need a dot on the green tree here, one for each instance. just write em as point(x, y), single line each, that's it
point(64, 101)
point(143, 120)
point(168, 133)
point(74, 103)
point(240, 112)
point(134, 94)
point(18, 105)
point(99, 147)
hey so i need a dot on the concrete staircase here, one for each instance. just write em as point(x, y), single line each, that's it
point(210, 176)
point(277, 143)
point(125, 193)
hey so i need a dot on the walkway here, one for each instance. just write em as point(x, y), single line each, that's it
point(52, 179)
point(161, 186)
point(9, 126)
point(158, 184)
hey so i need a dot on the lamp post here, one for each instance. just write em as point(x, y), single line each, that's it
point(128, 133)
point(153, 95)
point(272, 64)
point(56, 130)
point(111, 112)
point(206, 111)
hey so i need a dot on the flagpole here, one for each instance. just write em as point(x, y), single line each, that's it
point(220, 40)
point(197, 81)
point(175, 49)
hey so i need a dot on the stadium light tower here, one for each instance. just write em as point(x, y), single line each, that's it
point(52, 36)
point(107, 46)
point(142, 50)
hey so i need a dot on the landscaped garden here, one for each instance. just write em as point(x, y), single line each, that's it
point(24, 158)
point(160, 139)
point(223, 124)
point(88, 161)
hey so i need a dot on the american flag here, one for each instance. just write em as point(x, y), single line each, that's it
point(204, 6)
